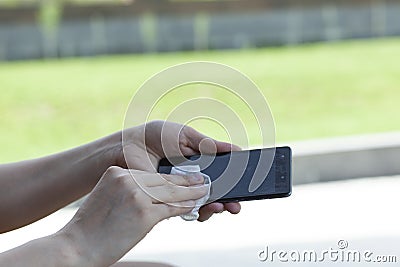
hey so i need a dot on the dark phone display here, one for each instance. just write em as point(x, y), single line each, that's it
point(250, 165)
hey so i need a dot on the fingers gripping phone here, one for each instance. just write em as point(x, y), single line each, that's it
point(242, 175)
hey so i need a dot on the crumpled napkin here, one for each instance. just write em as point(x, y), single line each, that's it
point(188, 170)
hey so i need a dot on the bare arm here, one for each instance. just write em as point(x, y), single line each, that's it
point(118, 213)
point(33, 189)
point(54, 250)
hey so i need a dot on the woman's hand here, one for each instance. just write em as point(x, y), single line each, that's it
point(123, 207)
point(143, 146)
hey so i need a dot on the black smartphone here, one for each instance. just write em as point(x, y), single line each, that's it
point(242, 175)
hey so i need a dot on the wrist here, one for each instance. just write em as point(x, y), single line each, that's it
point(68, 252)
point(112, 151)
point(117, 146)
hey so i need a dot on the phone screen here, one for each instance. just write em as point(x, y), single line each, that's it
point(243, 175)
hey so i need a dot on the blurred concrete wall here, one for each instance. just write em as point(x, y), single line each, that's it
point(345, 158)
point(149, 31)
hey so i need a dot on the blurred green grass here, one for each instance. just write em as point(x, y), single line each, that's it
point(314, 91)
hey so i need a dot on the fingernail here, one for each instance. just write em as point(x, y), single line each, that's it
point(196, 179)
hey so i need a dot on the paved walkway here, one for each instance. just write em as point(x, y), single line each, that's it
point(363, 212)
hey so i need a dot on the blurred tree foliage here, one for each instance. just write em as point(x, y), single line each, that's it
point(47, 2)
point(50, 14)
point(50, 11)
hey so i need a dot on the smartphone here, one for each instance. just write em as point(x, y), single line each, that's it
point(242, 175)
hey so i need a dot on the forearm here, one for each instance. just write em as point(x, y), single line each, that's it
point(33, 189)
point(54, 250)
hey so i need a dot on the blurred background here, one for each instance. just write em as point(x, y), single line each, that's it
point(329, 70)
point(69, 68)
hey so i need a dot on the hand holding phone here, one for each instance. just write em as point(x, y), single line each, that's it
point(242, 175)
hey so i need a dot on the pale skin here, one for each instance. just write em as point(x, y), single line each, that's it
point(123, 204)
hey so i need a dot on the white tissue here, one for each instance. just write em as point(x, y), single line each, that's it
point(187, 170)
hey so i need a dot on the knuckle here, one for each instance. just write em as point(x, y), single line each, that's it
point(134, 195)
point(188, 130)
point(179, 180)
point(185, 180)
point(113, 171)
point(121, 179)
point(137, 199)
